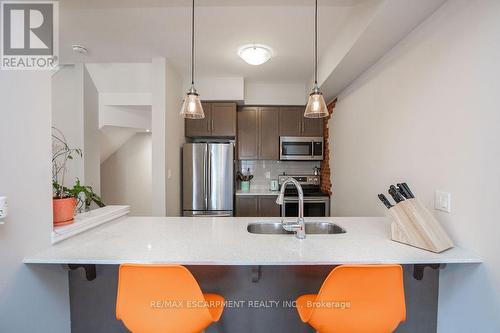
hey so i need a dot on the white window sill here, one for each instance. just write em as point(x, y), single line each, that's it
point(88, 220)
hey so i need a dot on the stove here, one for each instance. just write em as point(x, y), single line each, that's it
point(310, 185)
point(316, 203)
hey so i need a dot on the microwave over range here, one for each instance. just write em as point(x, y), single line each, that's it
point(299, 148)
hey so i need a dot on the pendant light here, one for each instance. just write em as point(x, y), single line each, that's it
point(191, 107)
point(316, 106)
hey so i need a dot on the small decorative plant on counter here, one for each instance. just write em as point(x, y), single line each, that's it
point(245, 180)
point(66, 199)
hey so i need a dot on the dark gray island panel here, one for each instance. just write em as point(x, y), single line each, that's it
point(93, 302)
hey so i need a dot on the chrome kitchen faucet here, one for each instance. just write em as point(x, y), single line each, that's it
point(299, 228)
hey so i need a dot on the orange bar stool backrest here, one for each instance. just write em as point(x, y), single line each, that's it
point(164, 298)
point(357, 299)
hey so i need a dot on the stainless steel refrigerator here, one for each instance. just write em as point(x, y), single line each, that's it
point(208, 179)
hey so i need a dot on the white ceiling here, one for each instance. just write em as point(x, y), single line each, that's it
point(120, 31)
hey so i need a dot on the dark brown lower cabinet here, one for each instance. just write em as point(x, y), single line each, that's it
point(257, 206)
point(246, 206)
point(268, 206)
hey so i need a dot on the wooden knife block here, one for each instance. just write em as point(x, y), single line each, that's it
point(414, 225)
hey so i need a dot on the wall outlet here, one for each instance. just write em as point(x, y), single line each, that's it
point(442, 201)
point(268, 174)
point(3, 207)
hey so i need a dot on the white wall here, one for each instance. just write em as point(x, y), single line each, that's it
point(75, 113)
point(132, 116)
point(67, 113)
point(218, 88)
point(158, 121)
point(126, 176)
point(276, 93)
point(31, 297)
point(174, 129)
point(91, 150)
point(125, 109)
point(121, 77)
point(428, 113)
point(112, 138)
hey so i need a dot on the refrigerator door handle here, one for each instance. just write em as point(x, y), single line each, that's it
point(205, 193)
point(208, 178)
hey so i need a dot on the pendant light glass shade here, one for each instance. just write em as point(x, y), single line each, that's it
point(316, 106)
point(191, 107)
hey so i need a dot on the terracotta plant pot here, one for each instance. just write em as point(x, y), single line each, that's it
point(63, 210)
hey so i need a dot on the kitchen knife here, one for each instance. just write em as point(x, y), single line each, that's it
point(385, 201)
point(407, 190)
point(395, 194)
point(403, 191)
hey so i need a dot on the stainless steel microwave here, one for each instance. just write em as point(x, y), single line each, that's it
point(299, 148)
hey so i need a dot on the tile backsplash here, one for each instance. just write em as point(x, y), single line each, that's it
point(273, 169)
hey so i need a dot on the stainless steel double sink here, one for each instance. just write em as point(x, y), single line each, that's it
point(312, 228)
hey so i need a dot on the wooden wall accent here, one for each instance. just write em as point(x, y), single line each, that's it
point(326, 184)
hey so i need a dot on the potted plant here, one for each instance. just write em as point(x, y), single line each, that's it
point(65, 199)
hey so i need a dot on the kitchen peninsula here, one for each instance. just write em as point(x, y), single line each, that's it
point(225, 258)
point(226, 241)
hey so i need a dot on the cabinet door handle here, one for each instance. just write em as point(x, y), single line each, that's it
point(212, 125)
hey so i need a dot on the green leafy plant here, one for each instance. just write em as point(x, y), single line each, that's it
point(85, 195)
point(61, 153)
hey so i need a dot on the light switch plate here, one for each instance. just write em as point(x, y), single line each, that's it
point(442, 201)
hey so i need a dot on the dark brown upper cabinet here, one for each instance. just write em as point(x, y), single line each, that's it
point(293, 123)
point(199, 127)
point(290, 121)
point(248, 133)
point(269, 122)
point(258, 133)
point(219, 121)
point(223, 118)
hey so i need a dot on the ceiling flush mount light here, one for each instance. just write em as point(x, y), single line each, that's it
point(316, 106)
point(191, 107)
point(255, 54)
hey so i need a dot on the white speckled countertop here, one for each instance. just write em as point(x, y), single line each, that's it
point(225, 241)
point(257, 190)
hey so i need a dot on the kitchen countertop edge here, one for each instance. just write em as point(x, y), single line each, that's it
point(205, 241)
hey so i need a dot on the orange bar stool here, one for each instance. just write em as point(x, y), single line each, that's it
point(164, 298)
point(356, 299)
